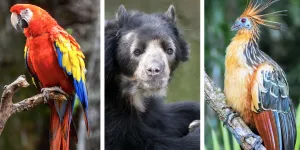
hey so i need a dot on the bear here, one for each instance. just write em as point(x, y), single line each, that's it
point(142, 52)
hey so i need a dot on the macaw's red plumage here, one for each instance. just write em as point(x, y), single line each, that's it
point(54, 59)
point(255, 85)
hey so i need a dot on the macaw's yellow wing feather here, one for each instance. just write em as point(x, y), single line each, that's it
point(70, 58)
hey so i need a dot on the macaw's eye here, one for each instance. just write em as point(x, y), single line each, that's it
point(243, 20)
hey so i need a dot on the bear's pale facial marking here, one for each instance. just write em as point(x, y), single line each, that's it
point(152, 73)
point(128, 36)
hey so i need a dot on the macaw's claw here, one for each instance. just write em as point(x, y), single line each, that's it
point(46, 92)
point(229, 117)
point(257, 143)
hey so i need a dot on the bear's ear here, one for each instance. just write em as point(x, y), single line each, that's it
point(185, 49)
point(121, 12)
point(111, 44)
point(171, 14)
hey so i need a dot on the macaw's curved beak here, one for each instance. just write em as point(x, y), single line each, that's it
point(17, 22)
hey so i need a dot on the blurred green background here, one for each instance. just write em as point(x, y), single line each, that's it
point(283, 47)
point(29, 130)
point(185, 84)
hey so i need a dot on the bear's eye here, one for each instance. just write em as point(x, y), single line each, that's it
point(137, 52)
point(170, 51)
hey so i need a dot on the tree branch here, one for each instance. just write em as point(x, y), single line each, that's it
point(8, 108)
point(216, 100)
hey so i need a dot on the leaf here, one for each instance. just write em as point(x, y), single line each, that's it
point(225, 138)
point(216, 144)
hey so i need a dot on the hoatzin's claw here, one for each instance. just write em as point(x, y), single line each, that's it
point(226, 107)
point(229, 117)
point(195, 124)
point(257, 143)
point(46, 92)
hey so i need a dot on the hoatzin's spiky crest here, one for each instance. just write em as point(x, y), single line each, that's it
point(253, 14)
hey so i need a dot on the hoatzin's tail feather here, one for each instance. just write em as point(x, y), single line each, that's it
point(60, 121)
point(277, 130)
point(288, 129)
point(267, 129)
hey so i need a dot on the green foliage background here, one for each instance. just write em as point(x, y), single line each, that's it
point(283, 47)
point(185, 84)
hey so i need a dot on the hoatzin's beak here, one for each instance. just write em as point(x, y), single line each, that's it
point(235, 27)
point(18, 22)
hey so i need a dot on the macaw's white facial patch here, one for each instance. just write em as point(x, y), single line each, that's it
point(26, 14)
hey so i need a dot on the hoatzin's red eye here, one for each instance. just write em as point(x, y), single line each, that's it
point(243, 20)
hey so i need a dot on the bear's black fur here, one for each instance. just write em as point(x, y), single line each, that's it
point(154, 125)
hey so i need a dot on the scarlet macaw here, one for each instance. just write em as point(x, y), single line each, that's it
point(54, 60)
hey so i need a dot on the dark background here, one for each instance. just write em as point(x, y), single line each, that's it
point(29, 130)
point(283, 47)
point(185, 84)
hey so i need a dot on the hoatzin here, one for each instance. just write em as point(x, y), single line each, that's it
point(255, 85)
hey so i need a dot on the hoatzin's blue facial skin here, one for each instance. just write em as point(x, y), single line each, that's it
point(242, 23)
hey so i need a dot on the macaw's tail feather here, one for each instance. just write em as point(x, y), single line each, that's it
point(73, 133)
point(60, 121)
point(86, 122)
point(82, 94)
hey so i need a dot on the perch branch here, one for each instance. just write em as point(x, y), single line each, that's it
point(216, 100)
point(8, 108)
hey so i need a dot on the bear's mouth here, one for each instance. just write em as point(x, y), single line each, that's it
point(133, 84)
point(153, 84)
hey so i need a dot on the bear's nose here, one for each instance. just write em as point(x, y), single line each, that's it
point(155, 69)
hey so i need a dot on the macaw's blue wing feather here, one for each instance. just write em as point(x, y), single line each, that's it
point(83, 97)
point(70, 58)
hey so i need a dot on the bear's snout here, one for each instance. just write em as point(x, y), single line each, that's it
point(154, 68)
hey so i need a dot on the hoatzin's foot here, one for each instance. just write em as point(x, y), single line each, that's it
point(46, 92)
point(257, 143)
point(229, 117)
point(195, 124)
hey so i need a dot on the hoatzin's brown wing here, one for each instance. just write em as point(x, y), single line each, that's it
point(274, 114)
